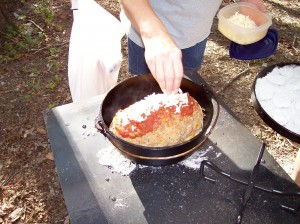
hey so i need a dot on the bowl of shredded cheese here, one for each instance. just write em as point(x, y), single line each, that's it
point(243, 23)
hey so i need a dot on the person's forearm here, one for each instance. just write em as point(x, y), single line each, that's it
point(162, 56)
point(143, 18)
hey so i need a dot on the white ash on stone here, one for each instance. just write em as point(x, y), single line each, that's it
point(115, 161)
point(195, 159)
point(110, 157)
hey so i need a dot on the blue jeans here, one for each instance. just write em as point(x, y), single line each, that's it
point(191, 58)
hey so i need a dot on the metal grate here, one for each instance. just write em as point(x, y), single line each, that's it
point(250, 183)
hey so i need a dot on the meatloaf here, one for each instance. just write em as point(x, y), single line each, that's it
point(159, 120)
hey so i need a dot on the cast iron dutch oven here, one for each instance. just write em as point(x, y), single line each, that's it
point(136, 88)
point(261, 111)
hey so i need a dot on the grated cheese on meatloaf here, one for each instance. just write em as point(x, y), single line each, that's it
point(159, 120)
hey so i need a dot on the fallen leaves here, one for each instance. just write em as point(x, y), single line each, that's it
point(27, 131)
point(50, 156)
point(24, 133)
point(15, 215)
point(41, 131)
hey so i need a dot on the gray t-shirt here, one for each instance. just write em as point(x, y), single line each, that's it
point(188, 21)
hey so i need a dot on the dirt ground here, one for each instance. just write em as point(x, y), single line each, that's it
point(34, 78)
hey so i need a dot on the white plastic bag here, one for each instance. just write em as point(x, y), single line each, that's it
point(94, 52)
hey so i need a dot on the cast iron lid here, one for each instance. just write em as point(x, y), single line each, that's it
point(262, 111)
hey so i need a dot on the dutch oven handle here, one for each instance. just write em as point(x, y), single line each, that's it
point(101, 128)
point(99, 125)
point(216, 113)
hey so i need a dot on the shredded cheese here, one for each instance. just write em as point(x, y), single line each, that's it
point(151, 103)
point(242, 20)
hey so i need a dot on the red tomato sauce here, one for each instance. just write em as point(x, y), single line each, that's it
point(163, 114)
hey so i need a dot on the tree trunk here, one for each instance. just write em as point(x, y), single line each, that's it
point(3, 18)
point(7, 8)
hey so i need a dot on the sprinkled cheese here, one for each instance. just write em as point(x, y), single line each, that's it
point(242, 20)
point(151, 103)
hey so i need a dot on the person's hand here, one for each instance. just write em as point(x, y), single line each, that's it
point(258, 3)
point(163, 58)
point(162, 55)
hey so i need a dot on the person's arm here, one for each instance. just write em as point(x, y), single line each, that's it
point(162, 55)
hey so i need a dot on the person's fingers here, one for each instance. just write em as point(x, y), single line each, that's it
point(168, 73)
point(164, 62)
point(263, 8)
point(151, 67)
point(259, 4)
point(178, 75)
point(169, 77)
point(160, 74)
